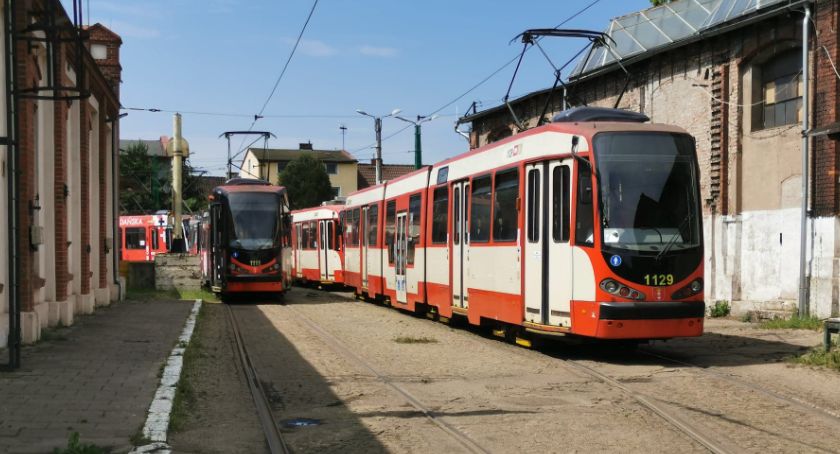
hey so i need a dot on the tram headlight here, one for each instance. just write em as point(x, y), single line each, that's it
point(616, 288)
point(693, 288)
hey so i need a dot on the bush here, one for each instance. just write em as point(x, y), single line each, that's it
point(720, 309)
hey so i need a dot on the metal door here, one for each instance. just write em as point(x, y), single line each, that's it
point(363, 245)
point(400, 256)
point(547, 253)
point(217, 262)
point(459, 243)
point(322, 250)
point(330, 247)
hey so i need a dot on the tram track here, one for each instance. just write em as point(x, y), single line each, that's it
point(338, 346)
point(276, 444)
point(805, 406)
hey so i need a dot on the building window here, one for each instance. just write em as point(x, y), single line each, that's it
point(335, 191)
point(780, 90)
point(505, 219)
point(281, 165)
point(331, 168)
point(98, 51)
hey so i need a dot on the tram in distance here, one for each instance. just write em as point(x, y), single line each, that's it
point(317, 254)
point(589, 225)
point(245, 238)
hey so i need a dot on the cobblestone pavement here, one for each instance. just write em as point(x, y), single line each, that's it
point(96, 378)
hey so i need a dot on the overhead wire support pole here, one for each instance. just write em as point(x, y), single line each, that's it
point(227, 135)
point(418, 146)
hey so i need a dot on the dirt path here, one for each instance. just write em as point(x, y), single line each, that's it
point(505, 398)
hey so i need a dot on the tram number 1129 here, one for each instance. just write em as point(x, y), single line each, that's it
point(658, 280)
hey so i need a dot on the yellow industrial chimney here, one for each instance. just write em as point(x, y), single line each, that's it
point(178, 149)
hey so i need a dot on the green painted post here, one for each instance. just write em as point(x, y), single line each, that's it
point(418, 152)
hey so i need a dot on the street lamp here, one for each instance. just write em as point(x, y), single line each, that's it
point(377, 125)
point(418, 153)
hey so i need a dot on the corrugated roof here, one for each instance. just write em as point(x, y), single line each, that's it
point(277, 154)
point(654, 28)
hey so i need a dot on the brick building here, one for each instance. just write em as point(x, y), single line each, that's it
point(60, 119)
point(730, 73)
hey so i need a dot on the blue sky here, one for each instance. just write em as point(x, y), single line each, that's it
point(224, 56)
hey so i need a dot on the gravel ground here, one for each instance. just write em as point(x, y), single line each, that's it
point(504, 398)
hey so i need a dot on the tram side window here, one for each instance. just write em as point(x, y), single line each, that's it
point(560, 205)
point(456, 216)
point(480, 210)
point(584, 225)
point(135, 238)
point(155, 239)
point(439, 215)
point(390, 229)
point(414, 226)
point(533, 206)
point(505, 223)
point(373, 224)
point(354, 228)
point(304, 235)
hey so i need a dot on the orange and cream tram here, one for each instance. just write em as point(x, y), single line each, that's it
point(588, 226)
point(317, 255)
point(246, 238)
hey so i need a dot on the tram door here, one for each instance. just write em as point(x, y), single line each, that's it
point(400, 256)
point(298, 247)
point(364, 232)
point(217, 263)
point(548, 255)
point(460, 243)
point(322, 250)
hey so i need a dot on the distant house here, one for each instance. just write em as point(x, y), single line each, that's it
point(267, 163)
point(367, 173)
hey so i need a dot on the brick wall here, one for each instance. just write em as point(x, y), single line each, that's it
point(60, 156)
point(826, 84)
point(84, 160)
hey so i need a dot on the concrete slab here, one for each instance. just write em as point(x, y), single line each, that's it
point(4, 330)
point(30, 327)
point(43, 311)
point(66, 311)
point(102, 297)
point(85, 304)
point(53, 314)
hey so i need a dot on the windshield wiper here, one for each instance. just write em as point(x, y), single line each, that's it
point(673, 239)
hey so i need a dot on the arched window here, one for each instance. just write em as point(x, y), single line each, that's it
point(779, 82)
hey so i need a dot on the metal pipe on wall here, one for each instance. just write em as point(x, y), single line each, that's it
point(803, 240)
point(11, 172)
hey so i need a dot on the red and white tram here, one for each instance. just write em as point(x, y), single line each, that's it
point(587, 226)
point(317, 242)
point(144, 236)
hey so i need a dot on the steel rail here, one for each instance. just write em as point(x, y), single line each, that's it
point(336, 344)
point(803, 405)
point(272, 433)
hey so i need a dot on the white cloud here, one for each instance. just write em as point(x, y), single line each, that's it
point(315, 48)
point(383, 52)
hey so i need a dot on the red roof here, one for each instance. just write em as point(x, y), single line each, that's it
point(367, 173)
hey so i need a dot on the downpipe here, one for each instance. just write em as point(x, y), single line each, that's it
point(12, 199)
point(803, 234)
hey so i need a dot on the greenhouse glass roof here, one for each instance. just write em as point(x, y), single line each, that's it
point(653, 28)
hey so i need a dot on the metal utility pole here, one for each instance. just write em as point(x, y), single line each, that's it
point(227, 134)
point(418, 151)
point(377, 125)
point(179, 149)
point(803, 241)
point(343, 133)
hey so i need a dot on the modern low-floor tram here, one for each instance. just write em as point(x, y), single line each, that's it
point(587, 226)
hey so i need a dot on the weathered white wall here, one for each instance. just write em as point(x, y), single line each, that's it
point(753, 260)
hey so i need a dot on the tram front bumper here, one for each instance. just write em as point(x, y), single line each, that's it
point(638, 320)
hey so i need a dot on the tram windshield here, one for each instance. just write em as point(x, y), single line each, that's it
point(254, 218)
point(647, 183)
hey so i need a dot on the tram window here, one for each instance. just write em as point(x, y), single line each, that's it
point(372, 224)
point(135, 238)
point(353, 228)
point(155, 239)
point(331, 245)
point(533, 206)
point(414, 226)
point(304, 235)
point(480, 210)
point(313, 235)
point(506, 191)
point(439, 215)
point(456, 216)
point(390, 218)
point(584, 225)
point(560, 205)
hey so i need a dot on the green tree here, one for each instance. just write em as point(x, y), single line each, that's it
point(307, 182)
point(659, 2)
point(146, 183)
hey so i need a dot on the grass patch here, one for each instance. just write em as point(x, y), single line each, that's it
point(153, 294)
point(74, 446)
point(795, 322)
point(817, 356)
point(138, 439)
point(415, 340)
point(185, 395)
point(720, 309)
